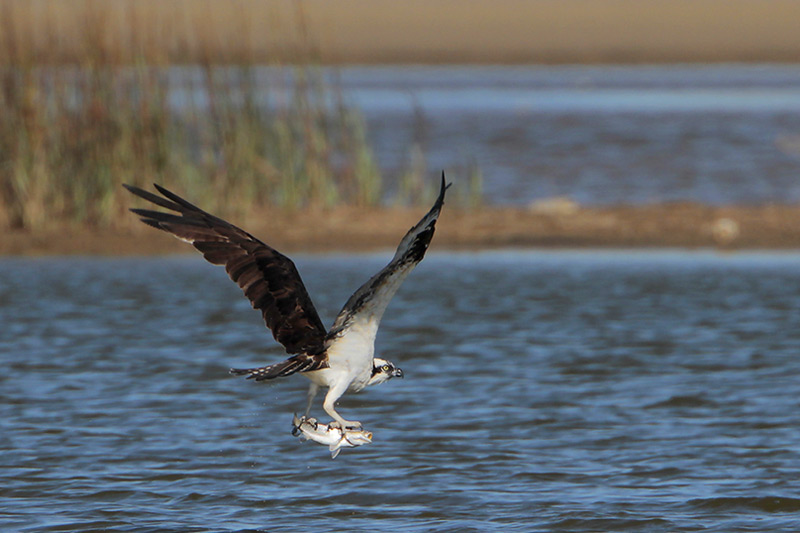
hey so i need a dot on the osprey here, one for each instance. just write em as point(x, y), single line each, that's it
point(341, 358)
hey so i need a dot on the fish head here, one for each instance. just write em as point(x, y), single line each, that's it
point(350, 439)
point(357, 438)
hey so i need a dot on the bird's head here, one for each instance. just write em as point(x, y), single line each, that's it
point(383, 370)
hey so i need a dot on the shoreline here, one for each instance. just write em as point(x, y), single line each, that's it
point(414, 31)
point(348, 229)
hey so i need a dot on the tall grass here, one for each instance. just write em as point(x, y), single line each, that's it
point(231, 136)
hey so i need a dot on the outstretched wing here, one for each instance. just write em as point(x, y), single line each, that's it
point(366, 306)
point(268, 278)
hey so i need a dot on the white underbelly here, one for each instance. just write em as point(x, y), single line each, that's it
point(349, 359)
point(354, 351)
point(326, 377)
point(322, 377)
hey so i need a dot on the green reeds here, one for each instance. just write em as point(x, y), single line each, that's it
point(231, 137)
point(70, 135)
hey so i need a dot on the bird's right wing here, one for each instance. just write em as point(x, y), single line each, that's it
point(366, 306)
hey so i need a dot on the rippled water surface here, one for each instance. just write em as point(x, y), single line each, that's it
point(598, 134)
point(714, 134)
point(544, 391)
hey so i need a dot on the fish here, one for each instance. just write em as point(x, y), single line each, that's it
point(335, 438)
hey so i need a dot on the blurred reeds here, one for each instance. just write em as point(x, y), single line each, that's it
point(174, 31)
point(231, 133)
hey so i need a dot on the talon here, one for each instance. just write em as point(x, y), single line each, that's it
point(296, 423)
point(304, 420)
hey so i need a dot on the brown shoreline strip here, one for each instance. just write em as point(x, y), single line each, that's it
point(412, 31)
point(682, 225)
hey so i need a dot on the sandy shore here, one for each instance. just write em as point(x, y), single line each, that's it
point(347, 229)
point(411, 31)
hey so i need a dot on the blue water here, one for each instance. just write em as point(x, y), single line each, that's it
point(543, 391)
point(601, 135)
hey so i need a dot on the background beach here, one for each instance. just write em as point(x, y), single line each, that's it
point(545, 113)
point(414, 31)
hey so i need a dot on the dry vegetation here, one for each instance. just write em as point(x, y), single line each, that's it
point(85, 91)
point(91, 100)
point(180, 31)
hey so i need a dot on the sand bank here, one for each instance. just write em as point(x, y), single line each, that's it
point(348, 229)
point(411, 31)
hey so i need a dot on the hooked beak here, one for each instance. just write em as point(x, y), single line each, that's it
point(397, 373)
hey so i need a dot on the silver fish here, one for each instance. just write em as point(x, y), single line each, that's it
point(334, 437)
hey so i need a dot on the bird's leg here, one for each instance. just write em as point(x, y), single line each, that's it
point(312, 393)
point(334, 393)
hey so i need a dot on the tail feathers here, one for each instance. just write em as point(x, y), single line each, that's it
point(298, 363)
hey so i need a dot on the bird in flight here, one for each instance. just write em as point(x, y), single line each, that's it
point(341, 358)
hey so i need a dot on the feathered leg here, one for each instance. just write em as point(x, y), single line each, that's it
point(334, 393)
point(312, 393)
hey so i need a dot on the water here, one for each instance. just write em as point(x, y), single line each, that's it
point(544, 391)
point(602, 135)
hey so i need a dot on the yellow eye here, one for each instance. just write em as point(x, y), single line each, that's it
point(385, 368)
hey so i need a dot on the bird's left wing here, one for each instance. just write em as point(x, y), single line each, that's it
point(268, 278)
point(366, 306)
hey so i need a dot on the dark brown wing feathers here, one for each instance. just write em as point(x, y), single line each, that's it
point(298, 363)
point(378, 290)
point(268, 278)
